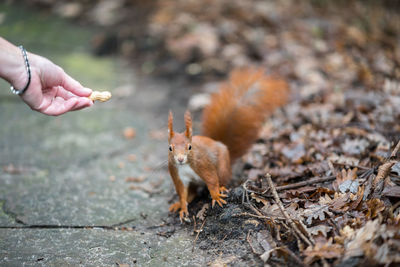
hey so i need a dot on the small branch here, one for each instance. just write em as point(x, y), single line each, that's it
point(288, 218)
point(315, 180)
point(351, 165)
point(304, 183)
point(198, 233)
point(251, 189)
point(248, 202)
point(256, 216)
point(248, 241)
point(222, 240)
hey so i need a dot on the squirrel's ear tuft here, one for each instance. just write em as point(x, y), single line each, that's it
point(170, 126)
point(188, 123)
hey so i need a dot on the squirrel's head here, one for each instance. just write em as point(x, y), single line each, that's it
point(180, 144)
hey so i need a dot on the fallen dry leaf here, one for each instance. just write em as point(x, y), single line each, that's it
point(375, 206)
point(319, 229)
point(11, 169)
point(129, 133)
point(202, 212)
point(325, 250)
point(391, 191)
point(138, 179)
point(132, 157)
point(316, 212)
point(346, 180)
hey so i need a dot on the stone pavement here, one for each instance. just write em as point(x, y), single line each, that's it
point(60, 176)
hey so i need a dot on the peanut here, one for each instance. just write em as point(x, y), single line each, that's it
point(101, 96)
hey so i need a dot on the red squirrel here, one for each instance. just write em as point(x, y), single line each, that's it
point(231, 123)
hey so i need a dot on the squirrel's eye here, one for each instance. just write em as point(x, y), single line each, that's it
point(170, 148)
point(189, 147)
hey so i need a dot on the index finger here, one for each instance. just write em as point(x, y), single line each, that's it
point(70, 84)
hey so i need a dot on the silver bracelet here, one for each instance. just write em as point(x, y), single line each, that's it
point(28, 70)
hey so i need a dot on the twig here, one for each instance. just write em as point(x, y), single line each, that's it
point(248, 241)
point(222, 240)
point(255, 216)
point(280, 205)
point(308, 182)
point(250, 188)
point(254, 209)
point(249, 202)
point(198, 233)
point(351, 165)
point(315, 180)
point(194, 223)
point(263, 217)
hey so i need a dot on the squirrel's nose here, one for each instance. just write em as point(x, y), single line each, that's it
point(180, 159)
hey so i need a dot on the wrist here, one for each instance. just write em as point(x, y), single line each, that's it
point(12, 64)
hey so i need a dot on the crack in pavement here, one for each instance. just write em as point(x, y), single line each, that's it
point(116, 226)
point(10, 213)
point(54, 226)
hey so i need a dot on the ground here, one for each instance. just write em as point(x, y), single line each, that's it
point(92, 188)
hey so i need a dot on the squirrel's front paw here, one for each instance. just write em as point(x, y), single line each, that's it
point(175, 207)
point(218, 197)
point(183, 213)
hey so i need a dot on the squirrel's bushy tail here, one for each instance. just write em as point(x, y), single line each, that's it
point(237, 111)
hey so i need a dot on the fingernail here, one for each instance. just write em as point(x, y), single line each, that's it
point(87, 90)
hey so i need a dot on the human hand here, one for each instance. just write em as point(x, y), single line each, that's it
point(52, 91)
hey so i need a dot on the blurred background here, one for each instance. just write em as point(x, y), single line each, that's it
point(203, 39)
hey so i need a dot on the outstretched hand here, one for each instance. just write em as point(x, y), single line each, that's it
point(52, 91)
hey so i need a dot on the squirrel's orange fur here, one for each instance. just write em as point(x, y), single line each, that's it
point(231, 124)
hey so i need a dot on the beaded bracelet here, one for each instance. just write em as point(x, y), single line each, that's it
point(28, 69)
